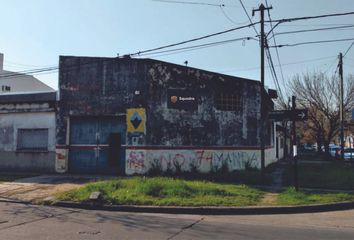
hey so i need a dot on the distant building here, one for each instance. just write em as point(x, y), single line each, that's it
point(27, 132)
point(27, 123)
point(15, 82)
point(128, 115)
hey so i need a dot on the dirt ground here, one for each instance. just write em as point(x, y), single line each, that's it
point(44, 187)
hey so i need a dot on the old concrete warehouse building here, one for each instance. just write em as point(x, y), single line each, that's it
point(122, 115)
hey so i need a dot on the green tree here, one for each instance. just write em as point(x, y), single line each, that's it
point(320, 95)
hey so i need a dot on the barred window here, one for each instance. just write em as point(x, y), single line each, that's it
point(228, 102)
point(32, 139)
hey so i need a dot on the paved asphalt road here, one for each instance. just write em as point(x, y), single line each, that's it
point(20, 221)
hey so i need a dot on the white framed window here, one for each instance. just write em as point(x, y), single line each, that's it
point(35, 139)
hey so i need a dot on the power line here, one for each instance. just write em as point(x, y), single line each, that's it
point(201, 45)
point(25, 65)
point(285, 64)
point(274, 74)
point(312, 30)
point(314, 25)
point(312, 17)
point(40, 71)
point(227, 16)
point(351, 45)
point(279, 21)
point(191, 3)
point(312, 42)
point(249, 18)
point(221, 6)
point(277, 52)
point(238, 28)
point(192, 40)
point(27, 72)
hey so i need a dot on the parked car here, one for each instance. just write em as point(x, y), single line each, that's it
point(349, 154)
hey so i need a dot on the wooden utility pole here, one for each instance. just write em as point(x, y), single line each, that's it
point(294, 147)
point(341, 114)
point(261, 9)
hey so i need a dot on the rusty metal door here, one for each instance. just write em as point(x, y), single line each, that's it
point(89, 145)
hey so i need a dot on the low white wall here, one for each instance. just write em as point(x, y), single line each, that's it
point(11, 122)
point(13, 160)
point(139, 161)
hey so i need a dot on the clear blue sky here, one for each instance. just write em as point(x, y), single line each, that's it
point(34, 33)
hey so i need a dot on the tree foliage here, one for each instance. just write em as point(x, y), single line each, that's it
point(320, 94)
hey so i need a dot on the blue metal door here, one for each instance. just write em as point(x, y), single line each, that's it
point(89, 145)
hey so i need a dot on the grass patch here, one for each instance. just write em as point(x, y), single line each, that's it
point(163, 191)
point(333, 175)
point(291, 197)
point(249, 177)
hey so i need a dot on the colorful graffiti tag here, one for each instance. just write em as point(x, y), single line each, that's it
point(140, 161)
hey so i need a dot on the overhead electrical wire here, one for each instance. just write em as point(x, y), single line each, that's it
point(24, 65)
point(192, 40)
point(351, 45)
point(248, 16)
point(26, 72)
point(191, 3)
point(238, 28)
point(274, 74)
point(313, 30)
point(202, 45)
point(284, 64)
point(39, 71)
point(227, 16)
point(277, 53)
point(279, 21)
point(315, 25)
point(312, 42)
point(312, 17)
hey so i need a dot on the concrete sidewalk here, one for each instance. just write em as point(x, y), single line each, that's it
point(39, 188)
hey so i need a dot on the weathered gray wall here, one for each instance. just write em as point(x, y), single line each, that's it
point(13, 160)
point(107, 86)
point(97, 87)
point(206, 126)
point(38, 162)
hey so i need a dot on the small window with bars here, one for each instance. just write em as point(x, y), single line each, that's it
point(228, 102)
point(32, 139)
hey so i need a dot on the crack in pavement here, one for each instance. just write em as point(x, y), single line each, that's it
point(185, 228)
point(39, 219)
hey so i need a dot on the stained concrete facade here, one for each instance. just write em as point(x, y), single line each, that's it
point(20, 116)
point(179, 111)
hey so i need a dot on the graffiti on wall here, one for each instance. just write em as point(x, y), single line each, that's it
point(136, 161)
point(61, 160)
point(140, 161)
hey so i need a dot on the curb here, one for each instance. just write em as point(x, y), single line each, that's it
point(11, 200)
point(211, 210)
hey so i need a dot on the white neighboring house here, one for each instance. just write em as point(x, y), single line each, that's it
point(27, 123)
point(11, 82)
